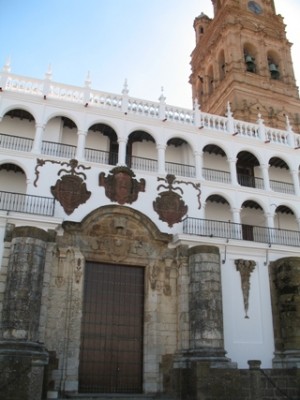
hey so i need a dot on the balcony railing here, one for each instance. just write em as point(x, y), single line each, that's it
point(142, 164)
point(17, 143)
point(250, 181)
point(180, 169)
point(27, 204)
point(58, 150)
point(230, 230)
point(282, 187)
point(214, 175)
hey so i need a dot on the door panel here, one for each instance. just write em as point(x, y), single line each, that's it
point(111, 355)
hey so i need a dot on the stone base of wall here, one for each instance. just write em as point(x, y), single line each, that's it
point(203, 380)
point(21, 370)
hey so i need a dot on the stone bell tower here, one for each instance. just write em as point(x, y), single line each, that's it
point(242, 55)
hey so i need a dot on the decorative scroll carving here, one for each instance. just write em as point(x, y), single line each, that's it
point(71, 190)
point(169, 205)
point(59, 279)
point(245, 268)
point(120, 185)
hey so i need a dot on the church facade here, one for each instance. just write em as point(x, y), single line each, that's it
point(147, 248)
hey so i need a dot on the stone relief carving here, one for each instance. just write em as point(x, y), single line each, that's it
point(70, 190)
point(169, 205)
point(159, 276)
point(245, 268)
point(120, 185)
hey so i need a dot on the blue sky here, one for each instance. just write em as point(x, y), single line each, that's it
point(149, 42)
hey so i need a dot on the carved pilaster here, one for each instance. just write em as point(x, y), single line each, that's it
point(245, 268)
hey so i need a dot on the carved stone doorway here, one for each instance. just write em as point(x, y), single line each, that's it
point(111, 354)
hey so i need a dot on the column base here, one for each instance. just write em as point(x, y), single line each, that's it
point(287, 359)
point(216, 358)
point(22, 369)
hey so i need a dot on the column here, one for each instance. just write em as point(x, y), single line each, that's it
point(198, 164)
point(22, 356)
point(266, 178)
point(81, 145)
point(205, 304)
point(286, 301)
point(38, 138)
point(233, 174)
point(122, 151)
point(161, 149)
point(237, 227)
point(295, 176)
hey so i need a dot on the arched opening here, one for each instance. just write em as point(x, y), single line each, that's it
point(274, 65)
point(102, 144)
point(141, 151)
point(12, 178)
point(247, 171)
point(280, 177)
point(217, 208)
point(60, 137)
point(179, 158)
point(215, 165)
point(250, 58)
point(210, 77)
point(284, 218)
point(222, 65)
point(17, 130)
point(253, 222)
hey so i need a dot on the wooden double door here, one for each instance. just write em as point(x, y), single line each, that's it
point(111, 354)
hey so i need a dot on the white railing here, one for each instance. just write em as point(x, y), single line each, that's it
point(87, 96)
point(58, 150)
point(180, 169)
point(214, 175)
point(15, 143)
point(282, 187)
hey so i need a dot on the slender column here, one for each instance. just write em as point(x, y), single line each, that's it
point(122, 151)
point(161, 149)
point(198, 164)
point(237, 229)
point(266, 178)
point(81, 145)
point(21, 355)
point(232, 165)
point(295, 176)
point(37, 143)
point(205, 303)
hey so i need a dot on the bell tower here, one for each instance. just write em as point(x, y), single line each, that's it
point(242, 56)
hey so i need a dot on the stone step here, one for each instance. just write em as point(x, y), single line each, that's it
point(120, 397)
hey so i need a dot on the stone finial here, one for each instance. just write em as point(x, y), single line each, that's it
point(245, 268)
point(229, 112)
point(88, 81)
point(287, 124)
point(48, 74)
point(6, 67)
point(162, 97)
point(125, 90)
